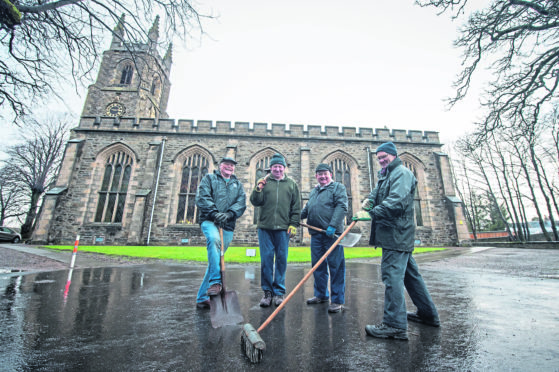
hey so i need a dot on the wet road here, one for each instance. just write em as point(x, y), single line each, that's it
point(498, 309)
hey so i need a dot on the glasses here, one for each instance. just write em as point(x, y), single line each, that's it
point(382, 157)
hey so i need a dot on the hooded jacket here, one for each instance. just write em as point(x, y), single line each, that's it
point(215, 195)
point(393, 225)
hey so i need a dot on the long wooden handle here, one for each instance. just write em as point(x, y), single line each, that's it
point(222, 260)
point(311, 227)
point(306, 277)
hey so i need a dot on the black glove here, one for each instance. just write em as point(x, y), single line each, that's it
point(222, 218)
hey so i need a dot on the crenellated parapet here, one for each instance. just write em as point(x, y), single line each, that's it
point(241, 128)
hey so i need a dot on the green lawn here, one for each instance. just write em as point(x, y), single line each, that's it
point(233, 254)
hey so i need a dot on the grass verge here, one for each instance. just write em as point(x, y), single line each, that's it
point(233, 255)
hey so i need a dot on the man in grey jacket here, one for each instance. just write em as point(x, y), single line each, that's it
point(391, 206)
point(326, 209)
point(221, 200)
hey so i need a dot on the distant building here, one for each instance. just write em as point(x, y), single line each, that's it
point(130, 173)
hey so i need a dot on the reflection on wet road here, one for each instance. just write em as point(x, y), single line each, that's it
point(144, 318)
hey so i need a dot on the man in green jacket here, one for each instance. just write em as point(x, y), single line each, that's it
point(280, 206)
point(391, 206)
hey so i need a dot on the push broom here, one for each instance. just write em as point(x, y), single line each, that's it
point(251, 343)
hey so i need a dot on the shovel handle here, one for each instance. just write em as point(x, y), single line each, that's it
point(316, 228)
point(307, 276)
point(222, 259)
point(311, 227)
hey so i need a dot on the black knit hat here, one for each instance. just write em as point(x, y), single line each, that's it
point(322, 167)
point(387, 147)
point(278, 159)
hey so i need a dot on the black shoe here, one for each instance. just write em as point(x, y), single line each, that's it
point(266, 300)
point(214, 289)
point(203, 305)
point(335, 308)
point(316, 300)
point(433, 322)
point(384, 331)
point(278, 300)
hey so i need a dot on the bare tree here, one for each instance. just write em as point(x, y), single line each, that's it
point(11, 197)
point(34, 164)
point(517, 39)
point(43, 42)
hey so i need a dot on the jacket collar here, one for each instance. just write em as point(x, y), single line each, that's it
point(395, 163)
point(218, 173)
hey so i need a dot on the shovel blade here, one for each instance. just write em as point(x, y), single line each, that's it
point(225, 309)
point(350, 239)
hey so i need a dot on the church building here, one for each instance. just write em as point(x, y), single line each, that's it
point(130, 173)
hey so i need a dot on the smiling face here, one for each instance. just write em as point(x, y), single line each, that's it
point(384, 159)
point(226, 169)
point(277, 171)
point(323, 177)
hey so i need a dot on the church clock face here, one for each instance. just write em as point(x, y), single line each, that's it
point(115, 109)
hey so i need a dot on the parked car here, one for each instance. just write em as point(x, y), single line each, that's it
point(7, 234)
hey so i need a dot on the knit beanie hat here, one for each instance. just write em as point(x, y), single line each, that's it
point(323, 167)
point(387, 147)
point(277, 159)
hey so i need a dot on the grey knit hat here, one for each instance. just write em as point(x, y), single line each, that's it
point(278, 159)
point(387, 147)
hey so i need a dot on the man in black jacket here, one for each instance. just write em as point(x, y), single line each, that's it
point(221, 200)
point(326, 209)
point(391, 206)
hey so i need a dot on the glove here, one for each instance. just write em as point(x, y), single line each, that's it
point(292, 230)
point(366, 204)
point(330, 231)
point(261, 183)
point(221, 218)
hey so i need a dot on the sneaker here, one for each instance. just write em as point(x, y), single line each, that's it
point(384, 331)
point(214, 289)
point(433, 322)
point(335, 308)
point(266, 300)
point(315, 300)
point(278, 300)
point(203, 305)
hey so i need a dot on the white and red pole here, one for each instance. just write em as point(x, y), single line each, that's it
point(72, 262)
point(75, 252)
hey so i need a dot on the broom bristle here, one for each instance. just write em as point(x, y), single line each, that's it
point(252, 344)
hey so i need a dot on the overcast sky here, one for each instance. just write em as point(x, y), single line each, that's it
point(358, 63)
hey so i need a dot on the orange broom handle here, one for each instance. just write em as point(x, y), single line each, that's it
point(306, 277)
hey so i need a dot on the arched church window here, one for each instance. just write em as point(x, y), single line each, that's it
point(126, 76)
point(416, 198)
point(194, 169)
point(342, 173)
point(114, 187)
point(262, 168)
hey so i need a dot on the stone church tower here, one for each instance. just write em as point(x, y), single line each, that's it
point(130, 173)
point(135, 86)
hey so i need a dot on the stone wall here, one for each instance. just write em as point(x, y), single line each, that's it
point(303, 147)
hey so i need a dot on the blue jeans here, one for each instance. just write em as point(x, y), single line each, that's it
point(335, 262)
point(213, 272)
point(274, 245)
point(400, 270)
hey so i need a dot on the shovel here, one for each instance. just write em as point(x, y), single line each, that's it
point(224, 308)
point(349, 240)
